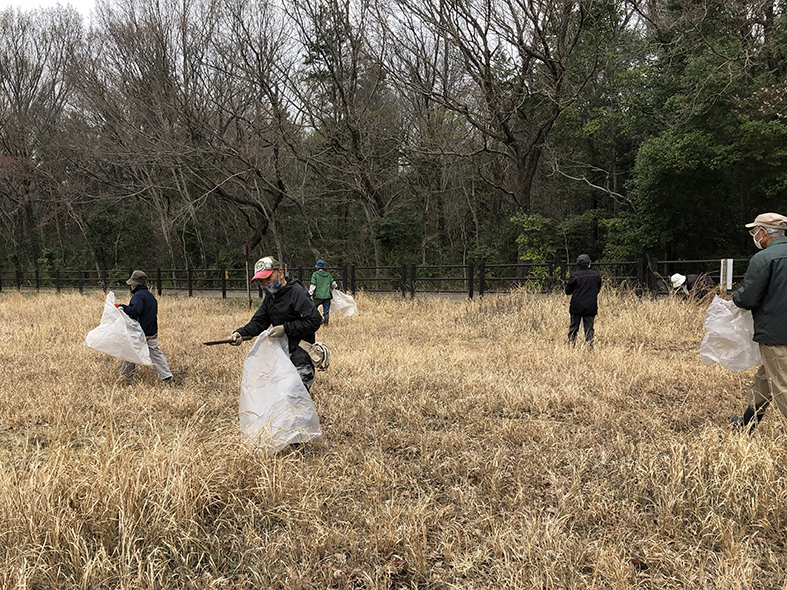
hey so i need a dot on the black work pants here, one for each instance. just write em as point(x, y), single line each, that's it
point(587, 323)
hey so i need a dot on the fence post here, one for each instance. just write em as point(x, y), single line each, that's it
point(18, 280)
point(223, 283)
point(403, 283)
point(38, 289)
point(300, 274)
point(640, 277)
point(344, 277)
point(352, 280)
point(412, 281)
point(481, 277)
point(158, 280)
point(550, 270)
point(470, 279)
point(188, 280)
point(79, 280)
point(104, 279)
point(57, 281)
point(654, 271)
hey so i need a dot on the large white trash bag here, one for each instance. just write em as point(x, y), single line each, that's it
point(119, 336)
point(729, 338)
point(343, 303)
point(275, 407)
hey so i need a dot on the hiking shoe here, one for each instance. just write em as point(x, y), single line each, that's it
point(169, 381)
point(737, 424)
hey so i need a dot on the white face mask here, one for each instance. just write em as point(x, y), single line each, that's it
point(757, 242)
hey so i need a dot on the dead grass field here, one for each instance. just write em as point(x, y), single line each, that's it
point(465, 446)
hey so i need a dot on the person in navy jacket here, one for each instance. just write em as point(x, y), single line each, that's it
point(143, 307)
point(583, 286)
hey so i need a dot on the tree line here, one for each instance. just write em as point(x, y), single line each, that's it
point(384, 132)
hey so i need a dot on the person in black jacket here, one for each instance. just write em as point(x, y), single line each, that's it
point(143, 307)
point(583, 286)
point(697, 286)
point(287, 310)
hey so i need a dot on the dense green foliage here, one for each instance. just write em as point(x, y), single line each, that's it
point(171, 133)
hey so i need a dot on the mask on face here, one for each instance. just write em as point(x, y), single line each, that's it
point(757, 242)
point(273, 287)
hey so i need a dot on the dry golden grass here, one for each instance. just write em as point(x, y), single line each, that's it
point(465, 446)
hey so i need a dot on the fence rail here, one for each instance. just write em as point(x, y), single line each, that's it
point(405, 279)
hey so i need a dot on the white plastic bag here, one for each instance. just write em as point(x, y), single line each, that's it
point(275, 408)
point(119, 336)
point(343, 303)
point(729, 338)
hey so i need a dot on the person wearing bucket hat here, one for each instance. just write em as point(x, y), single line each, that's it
point(143, 307)
point(320, 289)
point(764, 292)
point(694, 285)
point(287, 310)
point(583, 286)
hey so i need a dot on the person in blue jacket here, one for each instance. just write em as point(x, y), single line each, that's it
point(583, 286)
point(143, 307)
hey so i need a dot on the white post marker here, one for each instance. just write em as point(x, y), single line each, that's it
point(725, 276)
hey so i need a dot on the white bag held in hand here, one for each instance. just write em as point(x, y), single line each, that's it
point(275, 408)
point(118, 335)
point(343, 303)
point(729, 338)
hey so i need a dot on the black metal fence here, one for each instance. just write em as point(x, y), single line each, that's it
point(462, 279)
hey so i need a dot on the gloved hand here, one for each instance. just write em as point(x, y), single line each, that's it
point(276, 331)
point(236, 339)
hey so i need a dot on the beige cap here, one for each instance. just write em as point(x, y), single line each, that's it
point(772, 220)
point(137, 278)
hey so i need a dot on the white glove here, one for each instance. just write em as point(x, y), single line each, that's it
point(312, 287)
point(236, 339)
point(276, 331)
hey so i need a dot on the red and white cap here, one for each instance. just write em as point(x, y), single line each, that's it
point(265, 267)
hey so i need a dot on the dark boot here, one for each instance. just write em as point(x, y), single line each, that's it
point(751, 419)
point(324, 321)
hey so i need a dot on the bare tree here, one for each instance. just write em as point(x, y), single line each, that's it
point(37, 50)
point(346, 107)
point(518, 74)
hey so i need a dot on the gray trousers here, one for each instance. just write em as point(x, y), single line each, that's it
point(587, 323)
point(159, 361)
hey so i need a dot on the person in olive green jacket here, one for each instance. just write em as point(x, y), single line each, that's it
point(764, 292)
point(320, 289)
